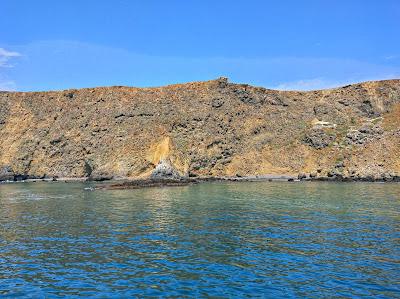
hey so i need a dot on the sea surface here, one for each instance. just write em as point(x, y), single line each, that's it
point(218, 240)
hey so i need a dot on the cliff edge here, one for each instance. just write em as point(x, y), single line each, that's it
point(211, 128)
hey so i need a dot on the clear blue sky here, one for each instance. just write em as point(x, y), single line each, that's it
point(48, 44)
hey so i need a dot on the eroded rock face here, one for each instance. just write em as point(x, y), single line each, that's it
point(212, 128)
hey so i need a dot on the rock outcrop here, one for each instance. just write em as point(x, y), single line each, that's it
point(164, 170)
point(6, 173)
point(212, 128)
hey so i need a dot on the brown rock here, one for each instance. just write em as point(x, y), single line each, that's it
point(212, 128)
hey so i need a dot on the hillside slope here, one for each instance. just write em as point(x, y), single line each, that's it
point(211, 128)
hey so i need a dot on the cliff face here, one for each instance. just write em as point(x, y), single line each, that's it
point(211, 128)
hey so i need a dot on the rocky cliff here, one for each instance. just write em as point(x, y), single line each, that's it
point(212, 128)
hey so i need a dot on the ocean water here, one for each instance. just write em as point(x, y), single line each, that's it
point(219, 240)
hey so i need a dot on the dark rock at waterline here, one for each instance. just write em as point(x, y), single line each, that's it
point(302, 176)
point(100, 178)
point(6, 173)
point(146, 183)
point(368, 178)
point(22, 177)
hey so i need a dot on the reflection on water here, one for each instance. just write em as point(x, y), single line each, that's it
point(219, 239)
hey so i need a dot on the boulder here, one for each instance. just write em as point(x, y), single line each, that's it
point(335, 174)
point(216, 103)
point(313, 175)
point(302, 176)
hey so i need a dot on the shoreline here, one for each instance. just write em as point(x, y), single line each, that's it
point(129, 183)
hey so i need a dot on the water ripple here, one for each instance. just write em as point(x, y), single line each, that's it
point(223, 240)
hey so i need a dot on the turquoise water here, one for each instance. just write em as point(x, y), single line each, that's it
point(225, 240)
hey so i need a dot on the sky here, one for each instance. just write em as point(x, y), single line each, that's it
point(288, 45)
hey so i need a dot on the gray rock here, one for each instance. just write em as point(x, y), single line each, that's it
point(364, 134)
point(164, 170)
point(222, 82)
point(276, 100)
point(335, 173)
point(216, 103)
point(321, 110)
point(355, 137)
point(340, 164)
point(245, 97)
point(318, 139)
point(344, 102)
point(386, 176)
point(367, 108)
point(99, 177)
point(6, 173)
point(69, 95)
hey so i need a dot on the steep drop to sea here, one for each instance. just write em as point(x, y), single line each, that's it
point(202, 129)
